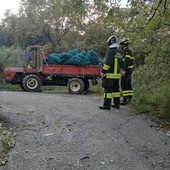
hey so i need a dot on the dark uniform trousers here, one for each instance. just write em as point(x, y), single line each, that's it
point(112, 91)
point(126, 85)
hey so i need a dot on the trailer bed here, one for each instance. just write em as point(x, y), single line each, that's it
point(72, 70)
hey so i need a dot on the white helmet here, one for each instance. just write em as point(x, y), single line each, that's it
point(112, 40)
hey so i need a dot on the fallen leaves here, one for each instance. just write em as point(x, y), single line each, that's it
point(6, 143)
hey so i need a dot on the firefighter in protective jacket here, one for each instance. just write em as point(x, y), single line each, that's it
point(127, 70)
point(111, 70)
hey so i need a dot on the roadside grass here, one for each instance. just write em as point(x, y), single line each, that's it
point(6, 143)
point(9, 87)
point(54, 89)
point(97, 88)
point(155, 105)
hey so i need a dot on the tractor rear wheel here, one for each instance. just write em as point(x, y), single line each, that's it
point(76, 86)
point(31, 83)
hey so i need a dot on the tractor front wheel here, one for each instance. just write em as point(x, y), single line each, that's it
point(31, 83)
point(21, 85)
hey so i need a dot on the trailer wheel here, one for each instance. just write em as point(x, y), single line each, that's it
point(76, 85)
point(31, 83)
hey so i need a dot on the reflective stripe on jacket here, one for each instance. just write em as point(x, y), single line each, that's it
point(112, 66)
point(127, 60)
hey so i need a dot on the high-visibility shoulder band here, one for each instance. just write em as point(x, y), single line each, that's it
point(112, 76)
point(106, 67)
point(108, 95)
point(132, 58)
point(128, 56)
point(116, 94)
point(130, 66)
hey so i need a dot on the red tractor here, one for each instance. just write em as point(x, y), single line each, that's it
point(38, 73)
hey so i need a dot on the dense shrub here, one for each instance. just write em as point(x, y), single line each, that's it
point(151, 84)
point(13, 57)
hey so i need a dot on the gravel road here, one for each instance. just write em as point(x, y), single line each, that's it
point(60, 131)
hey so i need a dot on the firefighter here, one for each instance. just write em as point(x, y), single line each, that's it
point(127, 70)
point(111, 71)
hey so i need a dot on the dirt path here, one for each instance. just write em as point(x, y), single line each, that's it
point(68, 132)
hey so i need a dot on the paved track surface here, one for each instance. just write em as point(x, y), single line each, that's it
point(61, 131)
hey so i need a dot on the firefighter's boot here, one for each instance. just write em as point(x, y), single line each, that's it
point(116, 103)
point(106, 104)
point(129, 99)
point(116, 106)
point(125, 101)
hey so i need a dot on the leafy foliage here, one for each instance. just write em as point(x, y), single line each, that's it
point(11, 57)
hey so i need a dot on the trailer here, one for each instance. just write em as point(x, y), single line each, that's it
point(31, 79)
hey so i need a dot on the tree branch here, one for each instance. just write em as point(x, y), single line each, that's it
point(165, 8)
point(160, 1)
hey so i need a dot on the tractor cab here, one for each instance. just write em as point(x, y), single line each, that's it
point(33, 65)
point(34, 58)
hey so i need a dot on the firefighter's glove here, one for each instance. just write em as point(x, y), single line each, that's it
point(123, 73)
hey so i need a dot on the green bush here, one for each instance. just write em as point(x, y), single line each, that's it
point(13, 56)
point(10, 57)
point(151, 84)
point(160, 101)
point(152, 93)
point(141, 102)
